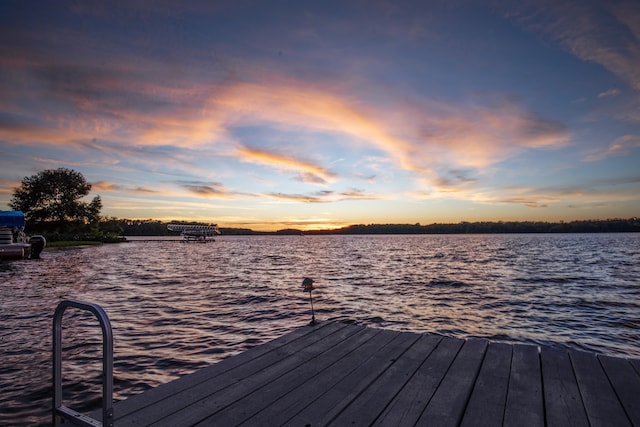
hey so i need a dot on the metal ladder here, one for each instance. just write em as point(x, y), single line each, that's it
point(61, 411)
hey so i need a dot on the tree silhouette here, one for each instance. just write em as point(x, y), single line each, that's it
point(51, 200)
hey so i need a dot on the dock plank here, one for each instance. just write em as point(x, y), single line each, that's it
point(524, 398)
point(335, 400)
point(564, 405)
point(489, 395)
point(601, 403)
point(447, 406)
point(408, 405)
point(260, 398)
point(208, 403)
point(626, 383)
point(369, 404)
point(165, 391)
point(176, 398)
point(287, 406)
point(336, 373)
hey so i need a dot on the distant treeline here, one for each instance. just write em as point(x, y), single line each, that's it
point(159, 228)
point(487, 227)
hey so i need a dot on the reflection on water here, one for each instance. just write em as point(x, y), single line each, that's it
point(177, 307)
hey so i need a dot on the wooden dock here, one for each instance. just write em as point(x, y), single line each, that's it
point(344, 374)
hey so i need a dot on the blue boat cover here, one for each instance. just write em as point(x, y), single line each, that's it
point(11, 219)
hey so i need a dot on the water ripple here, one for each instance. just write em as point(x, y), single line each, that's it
point(177, 307)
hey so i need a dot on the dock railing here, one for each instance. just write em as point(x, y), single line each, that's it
point(61, 411)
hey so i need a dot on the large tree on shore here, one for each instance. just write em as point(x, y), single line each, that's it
point(51, 199)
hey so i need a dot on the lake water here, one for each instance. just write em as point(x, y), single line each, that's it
point(176, 307)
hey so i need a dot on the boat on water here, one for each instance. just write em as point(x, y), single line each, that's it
point(14, 243)
point(195, 233)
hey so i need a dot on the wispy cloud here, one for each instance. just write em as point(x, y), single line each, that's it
point(7, 186)
point(205, 189)
point(455, 142)
point(295, 105)
point(106, 186)
point(431, 135)
point(609, 92)
point(134, 108)
point(327, 196)
point(103, 186)
point(590, 193)
point(308, 172)
point(621, 146)
point(606, 33)
point(358, 194)
point(297, 198)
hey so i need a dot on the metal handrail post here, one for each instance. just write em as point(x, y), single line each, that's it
point(59, 410)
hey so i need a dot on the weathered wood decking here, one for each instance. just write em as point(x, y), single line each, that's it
point(344, 374)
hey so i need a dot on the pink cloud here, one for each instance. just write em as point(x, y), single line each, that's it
point(104, 186)
point(419, 136)
point(621, 146)
point(424, 136)
point(609, 92)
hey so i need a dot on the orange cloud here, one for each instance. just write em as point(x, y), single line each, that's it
point(39, 134)
point(112, 187)
point(292, 105)
point(358, 194)
point(105, 186)
point(7, 187)
point(297, 198)
point(423, 136)
point(418, 136)
point(309, 171)
point(327, 196)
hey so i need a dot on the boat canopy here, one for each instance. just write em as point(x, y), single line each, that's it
point(12, 219)
point(201, 233)
point(194, 230)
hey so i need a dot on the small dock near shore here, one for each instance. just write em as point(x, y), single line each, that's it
point(335, 373)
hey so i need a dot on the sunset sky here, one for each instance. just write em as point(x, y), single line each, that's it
point(321, 114)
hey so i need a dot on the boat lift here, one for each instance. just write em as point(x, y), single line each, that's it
point(195, 233)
